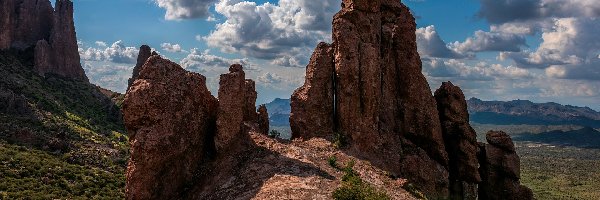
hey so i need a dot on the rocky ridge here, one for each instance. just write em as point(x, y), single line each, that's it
point(364, 99)
point(50, 32)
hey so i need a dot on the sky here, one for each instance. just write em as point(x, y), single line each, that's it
point(538, 50)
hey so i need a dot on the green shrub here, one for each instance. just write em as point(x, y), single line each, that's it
point(339, 140)
point(332, 160)
point(274, 134)
point(354, 188)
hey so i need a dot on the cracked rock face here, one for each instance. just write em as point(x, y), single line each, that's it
point(143, 55)
point(170, 117)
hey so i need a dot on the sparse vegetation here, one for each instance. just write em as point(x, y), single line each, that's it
point(339, 140)
point(332, 160)
point(274, 134)
point(414, 191)
point(354, 188)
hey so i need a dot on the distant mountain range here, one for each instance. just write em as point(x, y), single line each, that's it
point(279, 112)
point(526, 112)
point(583, 138)
point(515, 112)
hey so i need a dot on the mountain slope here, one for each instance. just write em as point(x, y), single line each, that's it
point(63, 132)
point(527, 112)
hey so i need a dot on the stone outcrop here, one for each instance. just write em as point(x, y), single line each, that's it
point(381, 101)
point(250, 112)
point(232, 103)
point(500, 169)
point(460, 140)
point(27, 23)
point(143, 55)
point(312, 104)
point(170, 117)
point(263, 119)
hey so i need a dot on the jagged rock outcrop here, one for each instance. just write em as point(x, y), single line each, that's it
point(460, 140)
point(263, 119)
point(143, 55)
point(232, 103)
point(170, 117)
point(28, 23)
point(500, 169)
point(250, 113)
point(382, 101)
point(312, 104)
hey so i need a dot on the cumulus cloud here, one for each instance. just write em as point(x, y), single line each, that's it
point(173, 48)
point(199, 60)
point(118, 52)
point(431, 44)
point(490, 41)
point(568, 50)
point(270, 78)
point(108, 75)
point(186, 9)
point(284, 33)
point(482, 71)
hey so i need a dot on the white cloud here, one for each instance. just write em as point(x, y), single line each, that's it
point(199, 61)
point(270, 78)
point(568, 50)
point(284, 33)
point(185, 9)
point(490, 41)
point(108, 75)
point(430, 44)
point(478, 71)
point(173, 48)
point(117, 52)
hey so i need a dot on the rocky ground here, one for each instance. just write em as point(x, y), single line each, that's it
point(292, 170)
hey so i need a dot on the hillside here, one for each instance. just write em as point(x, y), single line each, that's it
point(526, 112)
point(59, 137)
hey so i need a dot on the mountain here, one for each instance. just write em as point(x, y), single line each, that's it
point(526, 112)
point(60, 136)
point(583, 138)
point(279, 112)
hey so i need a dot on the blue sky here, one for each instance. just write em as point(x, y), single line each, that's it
point(541, 50)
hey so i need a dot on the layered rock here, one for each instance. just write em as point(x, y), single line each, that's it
point(250, 112)
point(263, 119)
point(382, 101)
point(143, 55)
point(312, 110)
point(500, 169)
point(28, 23)
point(170, 117)
point(460, 140)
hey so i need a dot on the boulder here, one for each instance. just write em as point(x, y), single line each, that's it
point(170, 117)
point(500, 169)
point(263, 119)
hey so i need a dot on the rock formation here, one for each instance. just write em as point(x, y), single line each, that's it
point(500, 169)
point(382, 101)
point(368, 86)
point(312, 104)
point(143, 55)
point(250, 113)
point(170, 117)
point(232, 103)
point(460, 140)
point(27, 23)
point(263, 119)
